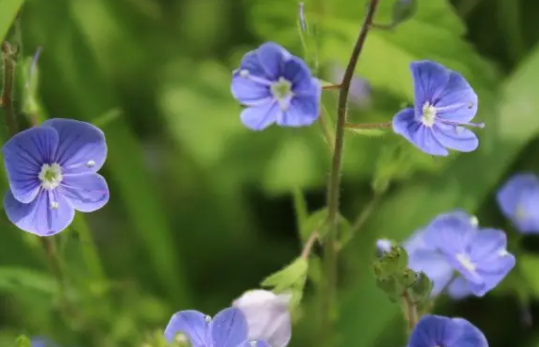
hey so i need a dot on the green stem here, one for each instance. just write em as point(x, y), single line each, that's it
point(410, 311)
point(368, 125)
point(9, 64)
point(330, 252)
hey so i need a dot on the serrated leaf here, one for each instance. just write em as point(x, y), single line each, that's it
point(291, 276)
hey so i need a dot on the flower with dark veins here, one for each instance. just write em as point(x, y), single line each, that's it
point(439, 331)
point(52, 171)
point(276, 87)
point(227, 329)
point(444, 103)
point(518, 199)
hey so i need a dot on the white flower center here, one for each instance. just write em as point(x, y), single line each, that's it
point(50, 177)
point(429, 114)
point(282, 92)
point(466, 262)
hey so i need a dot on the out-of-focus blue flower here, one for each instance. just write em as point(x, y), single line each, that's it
point(437, 331)
point(443, 103)
point(52, 171)
point(360, 89)
point(452, 243)
point(276, 87)
point(268, 317)
point(227, 329)
point(479, 255)
point(519, 201)
point(42, 342)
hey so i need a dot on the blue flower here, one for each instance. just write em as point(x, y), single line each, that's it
point(443, 103)
point(42, 342)
point(519, 201)
point(52, 171)
point(276, 87)
point(479, 255)
point(452, 243)
point(227, 329)
point(438, 331)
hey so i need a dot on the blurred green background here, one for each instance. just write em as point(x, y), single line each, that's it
point(202, 209)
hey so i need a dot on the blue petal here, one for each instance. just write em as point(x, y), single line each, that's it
point(229, 328)
point(470, 335)
point(38, 217)
point(249, 92)
point(303, 111)
point(486, 244)
point(434, 265)
point(24, 155)
point(455, 137)
point(298, 73)
point(459, 288)
point(193, 324)
point(262, 116)
point(519, 200)
point(82, 147)
point(459, 99)
point(85, 192)
point(432, 331)
point(450, 233)
point(251, 63)
point(255, 343)
point(404, 123)
point(430, 80)
point(272, 59)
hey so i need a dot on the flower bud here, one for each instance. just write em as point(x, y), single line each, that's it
point(267, 316)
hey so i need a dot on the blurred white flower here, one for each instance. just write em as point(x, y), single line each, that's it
point(267, 316)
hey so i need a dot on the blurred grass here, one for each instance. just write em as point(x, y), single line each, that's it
point(201, 208)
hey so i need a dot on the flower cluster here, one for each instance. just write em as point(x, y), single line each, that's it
point(453, 243)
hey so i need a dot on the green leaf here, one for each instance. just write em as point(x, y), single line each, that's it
point(13, 279)
point(292, 276)
point(22, 341)
point(316, 221)
point(8, 12)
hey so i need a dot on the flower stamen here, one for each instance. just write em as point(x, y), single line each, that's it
point(50, 176)
point(428, 115)
point(282, 92)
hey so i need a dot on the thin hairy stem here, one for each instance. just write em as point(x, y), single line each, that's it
point(309, 245)
point(410, 311)
point(9, 68)
point(330, 252)
point(368, 125)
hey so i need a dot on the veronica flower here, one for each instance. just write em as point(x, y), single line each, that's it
point(276, 87)
point(479, 255)
point(52, 171)
point(438, 331)
point(475, 266)
point(519, 201)
point(227, 329)
point(268, 317)
point(444, 103)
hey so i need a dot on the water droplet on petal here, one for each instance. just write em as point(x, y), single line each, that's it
point(90, 163)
